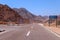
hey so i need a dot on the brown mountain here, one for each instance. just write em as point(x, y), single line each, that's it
point(25, 14)
point(28, 15)
point(8, 15)
point(21, 15)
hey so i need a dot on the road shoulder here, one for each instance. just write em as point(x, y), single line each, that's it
point(54, 30)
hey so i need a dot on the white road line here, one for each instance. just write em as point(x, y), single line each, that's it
point(28, 33)
point(50, 31)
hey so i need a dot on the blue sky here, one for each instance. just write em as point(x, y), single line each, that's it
point(37, 7)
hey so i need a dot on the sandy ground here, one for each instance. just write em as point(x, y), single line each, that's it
point(54, 29)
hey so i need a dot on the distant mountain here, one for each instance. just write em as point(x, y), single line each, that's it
point(7, 15)
point(28, 15)
point(17, 16)
point(25, 13)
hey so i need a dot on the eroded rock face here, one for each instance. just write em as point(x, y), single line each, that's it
point(9, 15)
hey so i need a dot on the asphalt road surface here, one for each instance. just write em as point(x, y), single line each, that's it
point(27, 32)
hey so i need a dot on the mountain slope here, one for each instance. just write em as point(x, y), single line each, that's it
point(8, 15)
point(21, 15)
point(28, 15)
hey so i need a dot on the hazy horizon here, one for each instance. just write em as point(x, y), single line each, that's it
point(37, 7)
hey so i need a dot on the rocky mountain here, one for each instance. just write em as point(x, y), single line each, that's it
point(17, 16)
point(8, 15)
point(28, 15)
point(25, 14)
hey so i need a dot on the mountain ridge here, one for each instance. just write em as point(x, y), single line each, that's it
point(20, 15)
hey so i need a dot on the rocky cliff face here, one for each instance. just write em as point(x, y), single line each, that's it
point(9, 15)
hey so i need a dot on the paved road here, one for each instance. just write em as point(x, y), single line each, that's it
point(28, 32)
